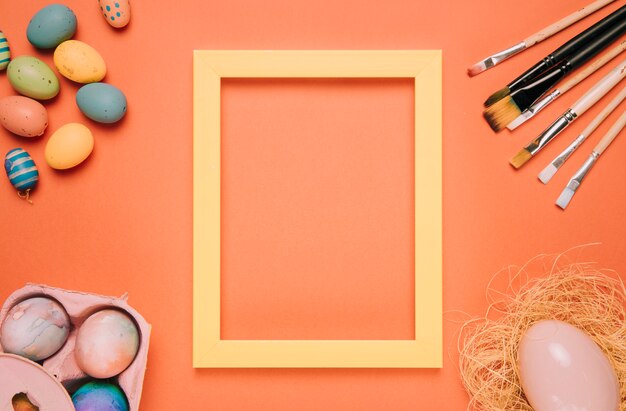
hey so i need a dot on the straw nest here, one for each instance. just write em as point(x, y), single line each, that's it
point(577, 293)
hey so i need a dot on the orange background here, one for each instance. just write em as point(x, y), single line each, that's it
point(122, 221)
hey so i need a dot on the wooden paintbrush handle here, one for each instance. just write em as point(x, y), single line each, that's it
point(611, 134)
point(598, 91)
point(565, 22)
point(606, 111)
point(593, 67)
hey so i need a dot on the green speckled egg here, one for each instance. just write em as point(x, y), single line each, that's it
point(51, 26)
point(33, 78)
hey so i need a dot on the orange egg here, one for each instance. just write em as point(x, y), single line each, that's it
point(115, 12)
point(23, 116)
point(69, 146)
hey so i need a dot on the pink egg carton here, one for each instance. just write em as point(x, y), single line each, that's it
point(79, 306)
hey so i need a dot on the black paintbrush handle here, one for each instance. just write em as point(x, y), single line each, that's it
point(570, 47)
point(527, 94)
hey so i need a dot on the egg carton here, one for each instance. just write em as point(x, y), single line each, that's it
point(79, 306)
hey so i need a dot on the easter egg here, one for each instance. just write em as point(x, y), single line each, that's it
point(5, 52)
point(562, 368)
point(69, 146)
point(33, 78)
point(36, 328)
point(21, 170)
point(23, 116)
point(106, 343)
point(21, 402)
point(115, 12)
point(99, 396)
point(51, 26)
point(79, 62)
point(101, 102)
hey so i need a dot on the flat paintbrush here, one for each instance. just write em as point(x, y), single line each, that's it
point(577, 179)
point(537, 37)
point(578, 108)
point(566, 86)
point(500, 114)
point(547, 173)
point(566, 50)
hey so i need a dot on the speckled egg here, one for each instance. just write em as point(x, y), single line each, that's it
point(23, 116)
point(106, 343)
point(5, 52)
point(36, 328)
point(79, 62)
point(69, 146)
point(33, 78)
point(101, 102)
point(51, 26)
point(115, 12)
point(99, 396)
point(21, 170)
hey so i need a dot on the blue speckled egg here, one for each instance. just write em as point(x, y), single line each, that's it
point(99, 396)
point(51, 26)
point(5, 52)
point(21, 169)
point(101, 102)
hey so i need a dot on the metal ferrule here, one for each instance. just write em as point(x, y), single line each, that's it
point(541, 104)
point(578, 178)
point(548, 134)
point(503, 55)
point(565, 154)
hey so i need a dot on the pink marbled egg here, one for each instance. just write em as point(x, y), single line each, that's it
point(36, 328)
point(106, 344)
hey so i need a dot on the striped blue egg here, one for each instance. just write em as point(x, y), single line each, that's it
point(5, 52)
point(21, 169)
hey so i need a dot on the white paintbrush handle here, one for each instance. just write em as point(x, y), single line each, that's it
point(602, 87)
point(593, 67)
point(604, 113)
point(565, 22)
point(611, 134)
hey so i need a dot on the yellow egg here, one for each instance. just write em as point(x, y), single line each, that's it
point(69, 146)
point(79, 62)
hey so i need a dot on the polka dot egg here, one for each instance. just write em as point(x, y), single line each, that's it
point(115, 12)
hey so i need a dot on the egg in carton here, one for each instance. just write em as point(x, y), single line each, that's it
point(62, 369)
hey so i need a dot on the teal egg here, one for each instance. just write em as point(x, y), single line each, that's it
point(101, 102)
point(51, 26)
point(99, 396)
point(32, 78)
point(5, 52)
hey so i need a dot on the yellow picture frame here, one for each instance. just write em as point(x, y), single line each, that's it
point(209, 350)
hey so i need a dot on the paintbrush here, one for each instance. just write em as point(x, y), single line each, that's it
point(577, 179)
point(576, 110)
point(539, 36)
point(566, 86)
point(566, 50)
point(501, 113)
point(547, 173)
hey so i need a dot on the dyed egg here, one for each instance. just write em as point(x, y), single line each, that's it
point(51, 26)
point(23, 116)
point(5, 52)
point(33, 78)
point(35, 328)
point(115, 12)
point(21, 402)
point(106, 344)
point(101, 102)
point(21, 170)
point(99, 396)
point(562, 368)
point(79, 62)
point(69, 146)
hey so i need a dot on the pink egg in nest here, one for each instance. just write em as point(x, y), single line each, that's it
point(106, 344)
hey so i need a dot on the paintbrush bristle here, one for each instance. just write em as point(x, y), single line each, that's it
point(521, 158)
point(476, 69)
point(500, 114)
point(547, 173)
point(565, 198)
point(498, 95)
